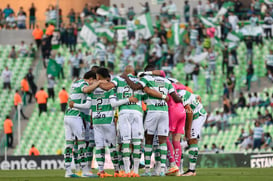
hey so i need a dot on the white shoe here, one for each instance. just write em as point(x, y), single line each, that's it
point(71, 175)
point(88, 174)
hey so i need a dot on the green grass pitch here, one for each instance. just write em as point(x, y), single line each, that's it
point(205, 174)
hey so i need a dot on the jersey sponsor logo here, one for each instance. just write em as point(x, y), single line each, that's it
point(160, 104)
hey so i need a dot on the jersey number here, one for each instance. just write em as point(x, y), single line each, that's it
point(99, 102)
point(161, 89)
point(126, 90)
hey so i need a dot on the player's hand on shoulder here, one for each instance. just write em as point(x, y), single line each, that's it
point(140, 74)
point(124, 76)
point(102, 81)
point(133, 99)
point(71, 104)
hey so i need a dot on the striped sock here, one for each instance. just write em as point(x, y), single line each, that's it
point(148, 153)
point(163, 156)
point(114, 157)
point(193, 154)
point(68, 156)
point(89, 153)
point(100, 158)
point(82, 156)
point(75, 155)
point(181, 164)
point(136, 154)
point(120, 160)
point(126, 156)
point(157, 159)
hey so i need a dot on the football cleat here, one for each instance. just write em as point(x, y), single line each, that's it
point(72, 175)
point(189, 173)
point(172, 171)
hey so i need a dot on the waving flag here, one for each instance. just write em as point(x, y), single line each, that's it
point(103, 10)
point(108, 33)
point(88, 34)
point(53, 68)
point(234, 37)
point(147, 31)
point(177, 34)
point(207, 22)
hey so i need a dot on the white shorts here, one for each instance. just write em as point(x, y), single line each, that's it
point(105, 135)
point(74, 127)
point(130, 126)
point(89, 133)
point(196, 126)
point(157, 122)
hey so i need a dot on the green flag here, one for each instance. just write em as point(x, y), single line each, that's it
point(53, 68)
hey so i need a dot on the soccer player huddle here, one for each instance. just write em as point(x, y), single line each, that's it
point(105, 113)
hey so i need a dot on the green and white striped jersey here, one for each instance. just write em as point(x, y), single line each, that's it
point(269, 60)
point(124, 91)
point(161, 85)
point(78, 96)
point(102, 111)
point(191, 99)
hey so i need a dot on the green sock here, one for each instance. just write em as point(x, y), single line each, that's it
point(148, 153)
point(193, 155)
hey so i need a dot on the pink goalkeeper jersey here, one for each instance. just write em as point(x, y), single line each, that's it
point(171, 103)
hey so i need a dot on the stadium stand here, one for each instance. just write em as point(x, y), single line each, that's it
point(19, 67)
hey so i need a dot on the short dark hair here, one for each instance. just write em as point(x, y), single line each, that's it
point(7, 117)
point(149, 67)
point(104, 72)
point(95, 68)
point(41, 88)
point(32, 145)
point(63, 88)
point(90, 74)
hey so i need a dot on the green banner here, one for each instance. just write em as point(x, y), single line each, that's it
point(53, 68)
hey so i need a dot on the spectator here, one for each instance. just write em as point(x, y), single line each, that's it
point(237, 6)
point(6, 77)
point(33, 151)
point(265, 102)
point(49, 31)
point(11, 22)
point(46, 48)
point(21, 21)
point(231, 82)
point(193, 36)
point(268, 142)
point(257, 99)
point(13, 53)
point(226, 105)
point(52, 14)
point(249, 46)
point(47, 16)
point(260, 117)
point(7, 11)
point(32, 16)
point(37, 35)
point(241, 100)
point(268, 119)
point(225, 59)
point(72, 16)
point(63, 96)
point(187, 11)
point(18, 102)
point(208, 80)
point(41, 98)
point(258, 135)
point(131, 27)
point(60, 60)
point(210, 120)
point(225, 92)
point(145, 7)
point(200, 8)
point(63, 35)
point(214, 148)
point(23, 49)
point(71, 37)
point(50, 87)
point(268, 21)
point(212, 55)
point(269, 64)
point(25, 88)
point(30, 79)
point(250, 73)
point(171, 9)
point(231, 63)
point(233, 20)
point(206, 149)
point(243, 135)
point(8, 125)
point(225, 28)
point(75, 64)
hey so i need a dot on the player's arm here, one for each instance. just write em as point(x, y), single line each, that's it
point(134, 86)
point(156, 94)
point(154, 72)
point(176, 98)
point(115, 103)
point(86, 105)
point(94, 85)
point(107, 86)
point(189, 117)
